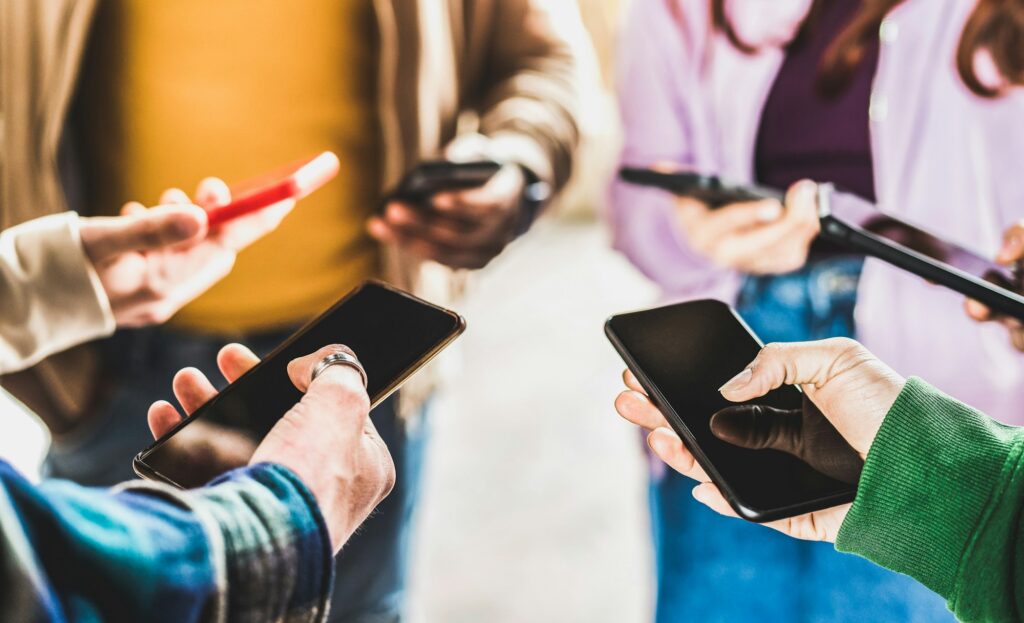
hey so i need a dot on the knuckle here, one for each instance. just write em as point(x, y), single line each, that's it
point(773, 350)
point(150, 232)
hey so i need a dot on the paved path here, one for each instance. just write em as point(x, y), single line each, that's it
point(534, 508)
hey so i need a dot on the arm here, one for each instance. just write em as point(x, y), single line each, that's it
point(65, 280)
point(940, 486)
point(530, 98)
point(655, 78)
point(940, 500)
point(251, 547)
point(51, 297)
point(527, 95)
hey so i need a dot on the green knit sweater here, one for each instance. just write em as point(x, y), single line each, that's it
point(941, 500)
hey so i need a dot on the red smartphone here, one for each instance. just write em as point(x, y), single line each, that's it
point(294, 181)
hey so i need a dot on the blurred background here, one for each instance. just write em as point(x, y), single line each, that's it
point(534, 503)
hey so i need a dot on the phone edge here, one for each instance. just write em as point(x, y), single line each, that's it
point(144, 470)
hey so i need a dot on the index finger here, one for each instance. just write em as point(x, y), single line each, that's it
point(798, 363)
point(475, 202)
point(713, 224)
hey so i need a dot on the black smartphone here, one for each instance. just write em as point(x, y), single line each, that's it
point(682, 354)
point(857, 224)
point(393, 333)
point(433, 176)
point(710, 189)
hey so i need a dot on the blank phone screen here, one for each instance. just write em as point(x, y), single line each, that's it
point(391, 333)
point(683, 353)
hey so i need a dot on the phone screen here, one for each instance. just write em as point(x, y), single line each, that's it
point(682, 354)
point(863, 214)
point(391, 332)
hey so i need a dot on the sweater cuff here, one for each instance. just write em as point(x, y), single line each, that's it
point(927, 483)
point(62, 302)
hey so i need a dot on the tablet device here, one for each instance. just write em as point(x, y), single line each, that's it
point(682, 354)
point(858, 225)
point(393, 334)
point(710, 189)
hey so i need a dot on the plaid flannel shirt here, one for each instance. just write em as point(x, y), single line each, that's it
point(251, 546)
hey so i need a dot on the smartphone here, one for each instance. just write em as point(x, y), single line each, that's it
point(294, 181)
point(682, 354)
point(857, 224)
point(393, 333)
point(710, 189)
point(433, 176)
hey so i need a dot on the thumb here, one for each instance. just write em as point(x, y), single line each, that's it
point(163, 226)
point(213, 192)
point(800, 363)
point(757, 427)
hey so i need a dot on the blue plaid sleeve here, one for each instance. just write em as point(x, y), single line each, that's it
point(250, 547)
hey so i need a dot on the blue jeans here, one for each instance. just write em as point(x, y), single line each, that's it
point(371, 568)
point(713, 568)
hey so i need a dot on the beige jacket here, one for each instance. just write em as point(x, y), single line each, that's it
point(511, 62)
point(52, 297)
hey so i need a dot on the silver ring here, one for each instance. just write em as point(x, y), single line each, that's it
point(339, 359)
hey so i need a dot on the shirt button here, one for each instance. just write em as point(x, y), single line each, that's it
point(878, 109)
point(888, 31)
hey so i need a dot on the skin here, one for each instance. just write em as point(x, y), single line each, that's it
point(464, 229)
point(327, 439)
point(848, 386)
point(152, 262)
point(757, 237)
point(1011, 252)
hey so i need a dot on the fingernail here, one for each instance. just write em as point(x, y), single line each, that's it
point(656, 441)
point(1011, 248)
point(444, 202)
point(770, 211)
point(700, 494)
point(737, 382)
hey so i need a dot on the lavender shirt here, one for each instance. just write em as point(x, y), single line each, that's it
point(943, 157)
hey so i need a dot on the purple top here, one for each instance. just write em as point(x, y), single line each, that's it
point(943, 157)
point(803, 134)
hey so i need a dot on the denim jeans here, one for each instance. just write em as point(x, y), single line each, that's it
point(713, 568)
point(370, 570)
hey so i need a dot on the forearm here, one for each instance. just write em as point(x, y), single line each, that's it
point(253, 547)
point(270, 547)
point(654, 94)
point(50, 297)
point(940, 499)
point(530, 103)
point(645, 230)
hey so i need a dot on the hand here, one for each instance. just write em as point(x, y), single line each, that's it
point(327, 439)
point(849, 386)
point(756, 237)
point(805, 433)
point(1011, 252)
point(153, 262)
point(460, 229)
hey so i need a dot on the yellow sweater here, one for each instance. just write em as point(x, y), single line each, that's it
point(176, 91)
